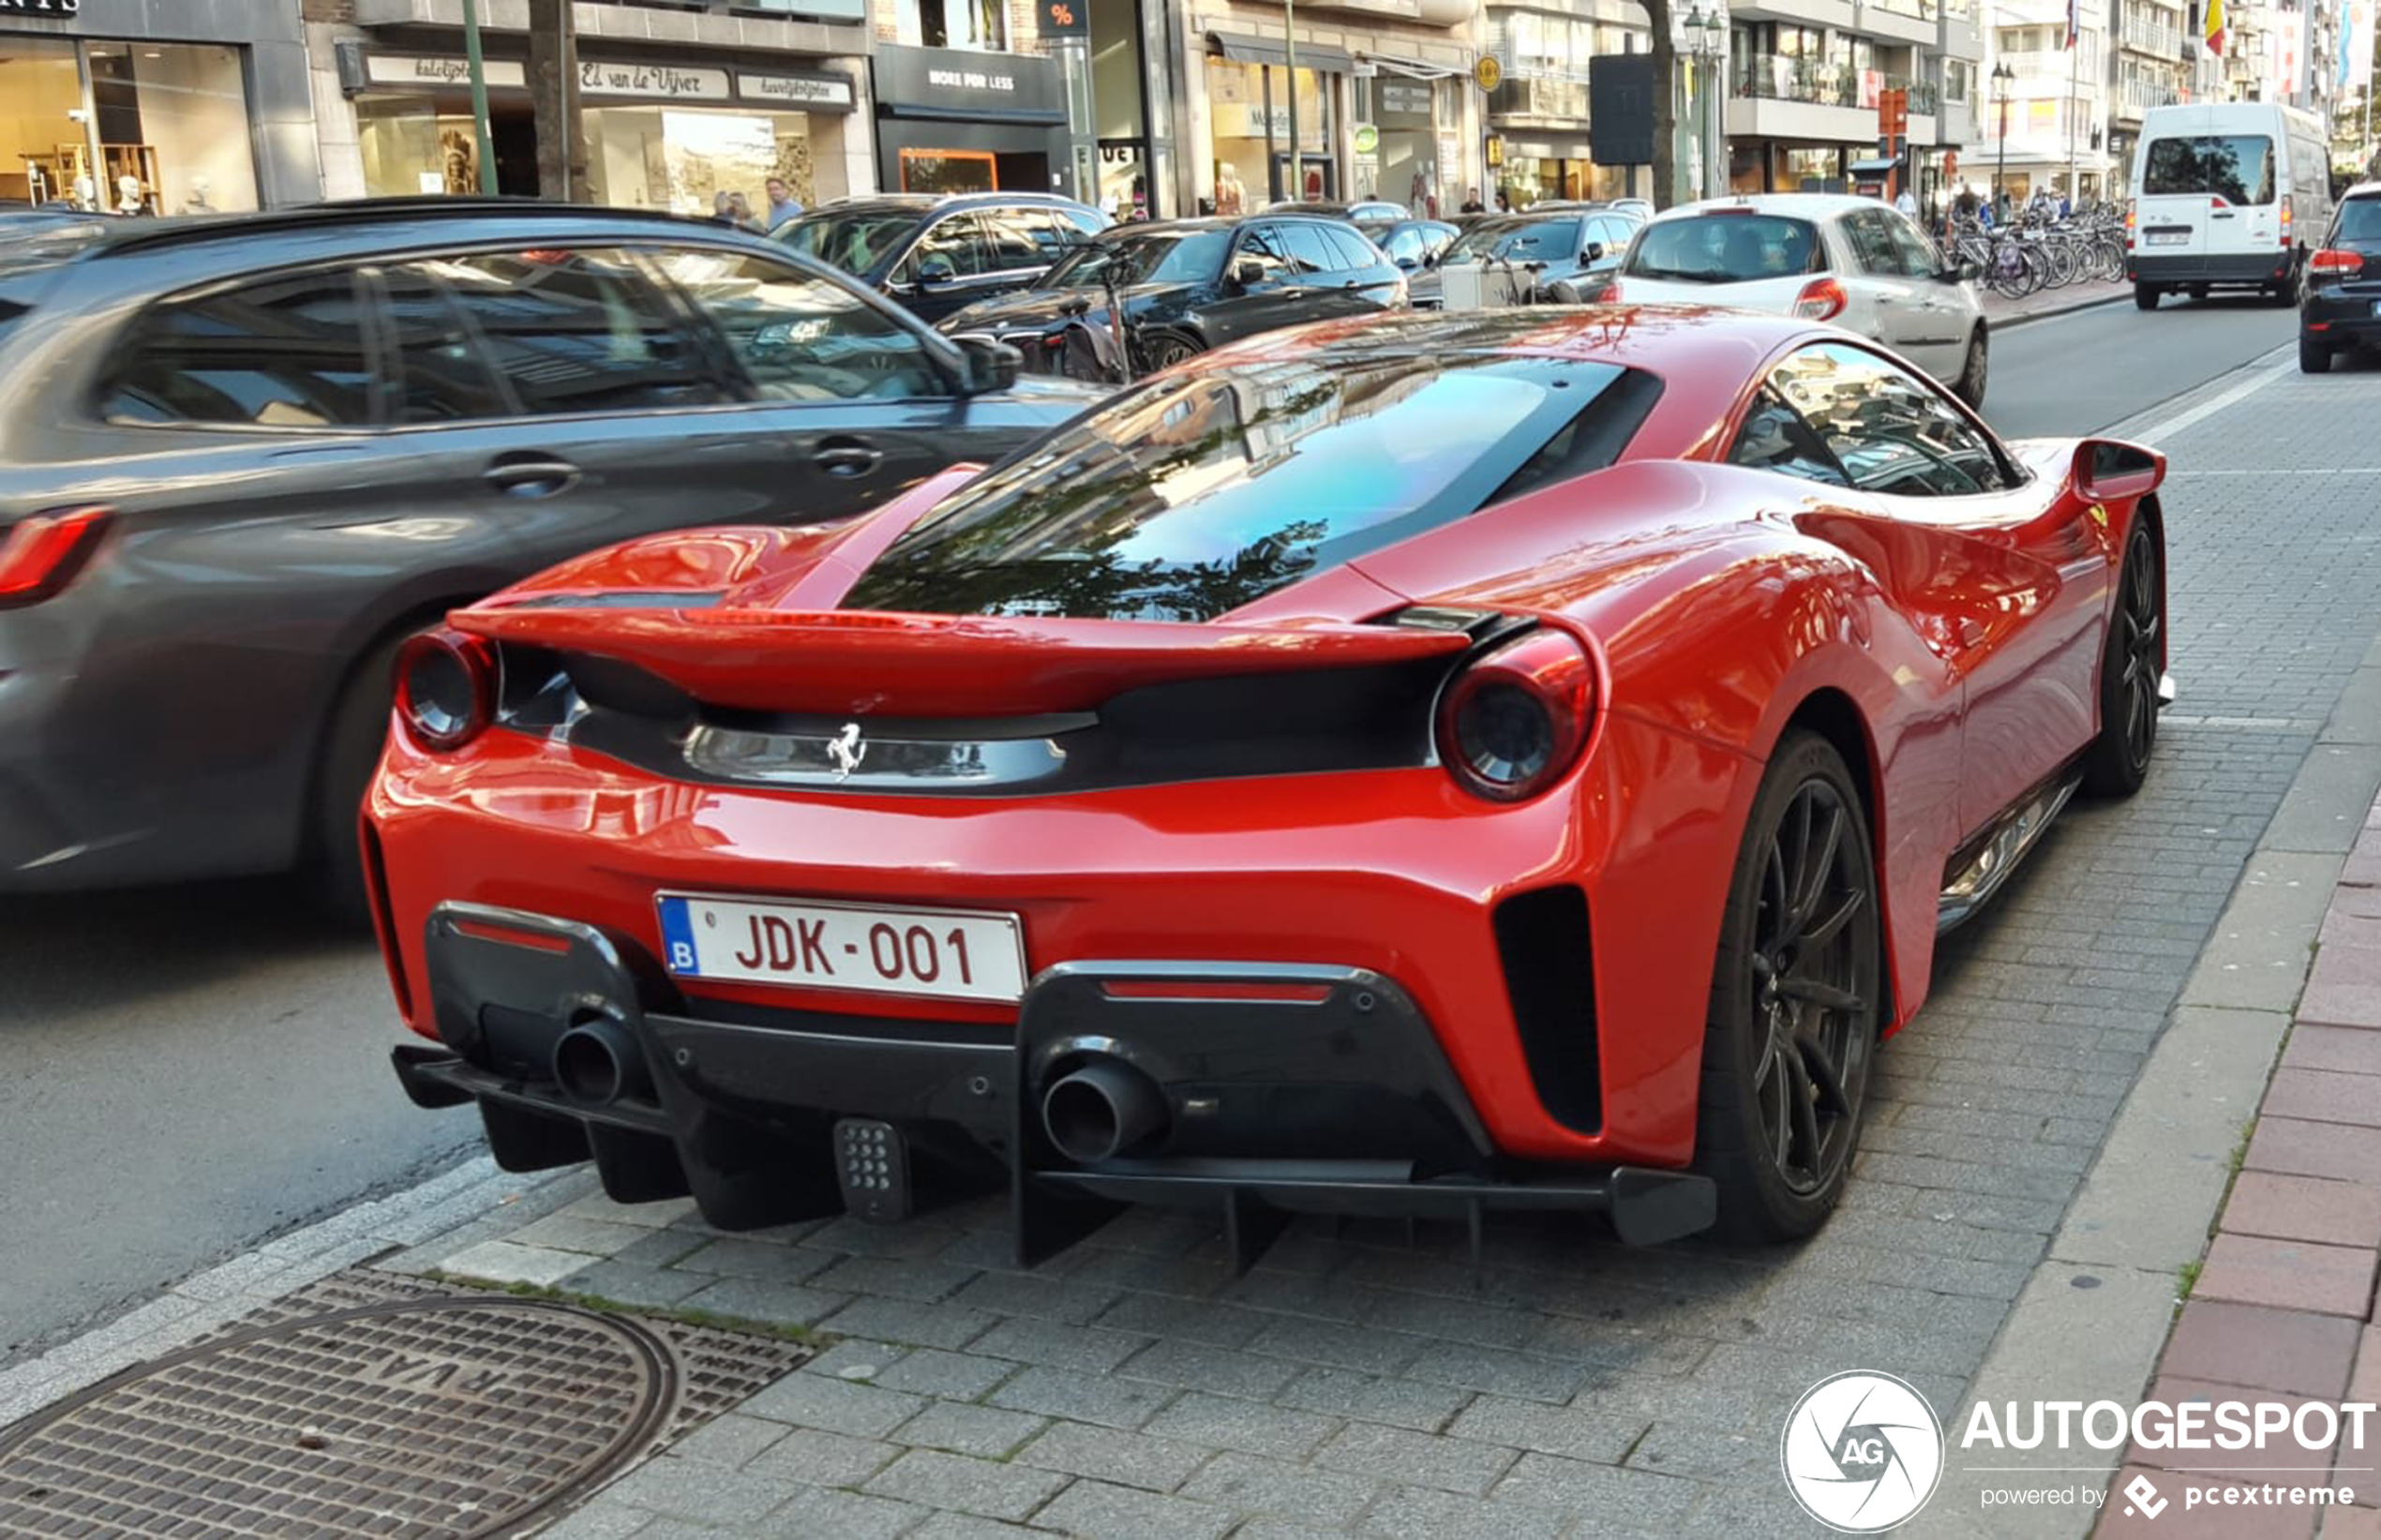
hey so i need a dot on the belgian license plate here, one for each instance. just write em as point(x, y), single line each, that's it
point(2168, 237)
point(957, 954)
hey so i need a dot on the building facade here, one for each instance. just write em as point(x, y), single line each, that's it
point(1385, 102)
point(2049, 110)
point(1806, 78)
point(675, 105)
point(130, 106)
point(1538, 113)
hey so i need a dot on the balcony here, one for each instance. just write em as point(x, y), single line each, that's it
point(1773, 96)
point(2144, 38)
point(1776, 77)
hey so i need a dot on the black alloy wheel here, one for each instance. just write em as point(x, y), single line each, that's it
point(1797, 1000)
point(2132, 664)
point(1167, 349)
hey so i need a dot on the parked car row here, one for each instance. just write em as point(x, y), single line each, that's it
point(243, 458)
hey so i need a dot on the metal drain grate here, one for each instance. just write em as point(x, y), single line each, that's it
point(372, 1404)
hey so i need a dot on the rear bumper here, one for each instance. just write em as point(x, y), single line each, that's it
point(2342, 320)
point(1286, 1087)
point(2252, 267)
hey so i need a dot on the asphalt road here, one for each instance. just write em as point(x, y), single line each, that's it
point(192, 1071)
point(2077, 372)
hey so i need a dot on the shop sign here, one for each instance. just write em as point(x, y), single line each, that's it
point(1489, 70)
point(1405, 98)
point(833, 92)
point(655, 81)
point(56, 9)
point(950, 81)
point(1066, 18)
point(1367, 139)
point(416, 69)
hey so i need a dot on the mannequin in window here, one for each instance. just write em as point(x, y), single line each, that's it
point(1231, 198)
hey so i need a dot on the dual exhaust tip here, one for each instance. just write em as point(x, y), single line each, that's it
point(1101, 1110)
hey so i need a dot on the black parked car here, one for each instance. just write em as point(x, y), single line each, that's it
point(1579, 245)
point(242, 459)
point(1189, 285)
point(2340, 282)
point(937, 254)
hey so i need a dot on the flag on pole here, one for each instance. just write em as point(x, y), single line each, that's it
point(2215, 27)
point(2070, 25)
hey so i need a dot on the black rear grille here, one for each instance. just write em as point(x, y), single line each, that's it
point(1550, 977)
point(1298, 721)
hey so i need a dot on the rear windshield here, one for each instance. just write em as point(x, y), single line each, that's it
point(1201, 493)
point(1726, 248)
point(2237, 167)
point(2360, 219)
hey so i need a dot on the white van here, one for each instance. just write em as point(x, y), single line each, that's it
point(2225, 195)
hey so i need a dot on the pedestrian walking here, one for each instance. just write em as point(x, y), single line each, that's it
point(782, 204)
point(1472, 203)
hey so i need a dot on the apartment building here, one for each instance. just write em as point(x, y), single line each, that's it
point(1806, 76)
point(2049, 103)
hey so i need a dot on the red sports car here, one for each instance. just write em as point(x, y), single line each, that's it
point(1422, 764)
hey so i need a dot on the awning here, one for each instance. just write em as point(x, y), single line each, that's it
point(1389, 64)
point(1874, 167)
point(1248, 50)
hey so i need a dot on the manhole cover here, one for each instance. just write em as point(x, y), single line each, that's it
point(432, 1415)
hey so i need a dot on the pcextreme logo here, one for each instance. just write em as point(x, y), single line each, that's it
point(1861, 1451)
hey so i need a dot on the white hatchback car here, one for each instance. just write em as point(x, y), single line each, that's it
point(1826, 256)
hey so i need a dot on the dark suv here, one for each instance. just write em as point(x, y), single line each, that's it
point(936, 254)
point(1189, 285)
point(2340, 283)
point(242, 459)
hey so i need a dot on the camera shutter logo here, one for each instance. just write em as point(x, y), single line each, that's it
point(1862, 1452)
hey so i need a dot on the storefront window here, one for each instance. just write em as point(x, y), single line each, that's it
point(682, 160)
point(953, 24)
point(46, 149)
point(1250, 112)
point(163, 127)
point(949, 171)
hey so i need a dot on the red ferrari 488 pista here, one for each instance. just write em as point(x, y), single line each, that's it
point(1422, 764)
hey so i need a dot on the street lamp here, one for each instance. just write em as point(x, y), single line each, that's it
point(1707, 43)
point(2001, 76)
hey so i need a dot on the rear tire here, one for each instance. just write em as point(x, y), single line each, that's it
point(1797, 988)
point(2314, 357)
point(2131, 663)
point(2146, 295)
point(352, 743)
point(1971, 384)
point(1167, 349)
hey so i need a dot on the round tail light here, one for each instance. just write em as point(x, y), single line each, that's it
point(1513, 722)
point(445, 688)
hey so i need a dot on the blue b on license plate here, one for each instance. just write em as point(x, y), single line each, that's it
point(958, 954)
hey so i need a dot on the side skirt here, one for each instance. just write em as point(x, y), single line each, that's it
point(1977, 871)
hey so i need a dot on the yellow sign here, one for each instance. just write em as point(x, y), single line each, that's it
point(1496, 150)
point(1489, 73)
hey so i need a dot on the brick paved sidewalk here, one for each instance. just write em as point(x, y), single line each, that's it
point(2283, 1307)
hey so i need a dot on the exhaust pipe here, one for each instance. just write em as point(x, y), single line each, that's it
point(1103, 1110)
point(597, 1062)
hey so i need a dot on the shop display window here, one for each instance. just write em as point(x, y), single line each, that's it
point(126, 128)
